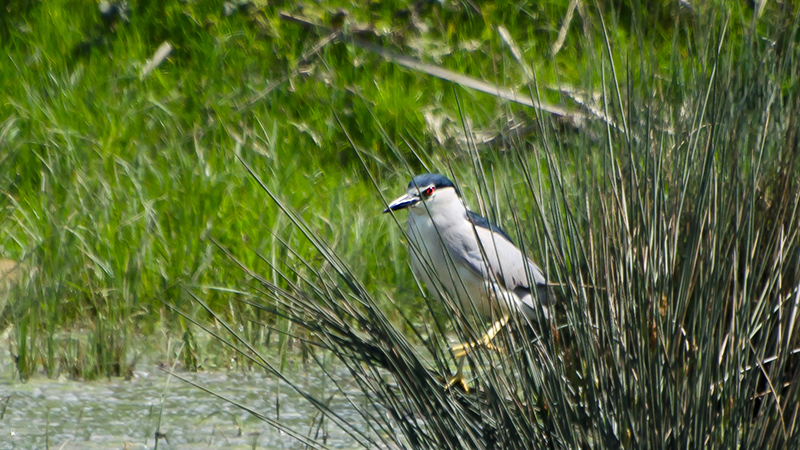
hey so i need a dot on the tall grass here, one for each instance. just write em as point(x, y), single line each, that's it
point(670, 229)
point(671, 236)
point(109, 183)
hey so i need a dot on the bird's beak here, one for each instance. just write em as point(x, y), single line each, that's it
point(402, 202)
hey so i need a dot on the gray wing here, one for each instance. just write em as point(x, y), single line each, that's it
point(505, 263)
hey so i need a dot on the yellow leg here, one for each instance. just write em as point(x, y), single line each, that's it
point(460, 352)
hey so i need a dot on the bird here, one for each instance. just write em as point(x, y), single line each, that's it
point(457, 252)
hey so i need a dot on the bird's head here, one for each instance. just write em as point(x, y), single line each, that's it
point(436, 191)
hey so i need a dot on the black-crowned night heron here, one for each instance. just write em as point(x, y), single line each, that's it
point(458, 253)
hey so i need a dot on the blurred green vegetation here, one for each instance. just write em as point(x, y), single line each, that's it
point(113, 184)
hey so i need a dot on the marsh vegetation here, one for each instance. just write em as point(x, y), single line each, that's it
point(646, 158)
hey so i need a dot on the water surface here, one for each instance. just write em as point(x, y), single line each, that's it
point(119, 414)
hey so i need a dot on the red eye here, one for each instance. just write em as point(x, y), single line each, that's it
point(429, 191)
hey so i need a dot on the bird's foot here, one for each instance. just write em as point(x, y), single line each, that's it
point(458, 379)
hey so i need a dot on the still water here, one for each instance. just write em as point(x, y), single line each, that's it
point(120, 414)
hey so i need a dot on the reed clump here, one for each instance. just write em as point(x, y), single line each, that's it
point(670, 231)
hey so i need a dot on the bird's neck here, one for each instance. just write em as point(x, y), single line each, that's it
point(442, 215)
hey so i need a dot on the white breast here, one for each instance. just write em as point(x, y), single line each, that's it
point(434, 264)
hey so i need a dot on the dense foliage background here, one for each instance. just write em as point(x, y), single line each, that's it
point(113, 182)
point(659, 191)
